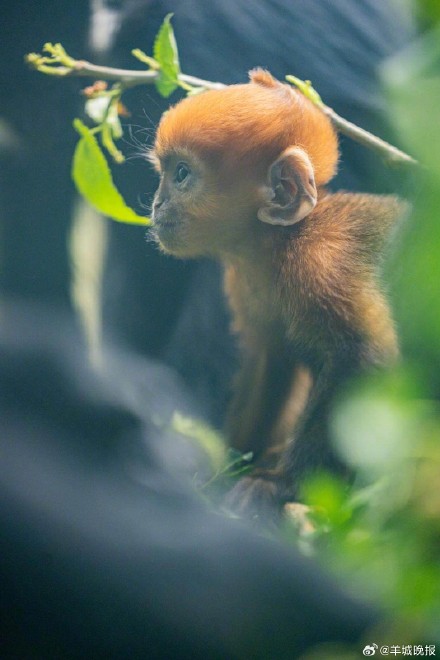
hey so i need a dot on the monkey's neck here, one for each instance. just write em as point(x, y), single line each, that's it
point(261, 244)
point(250, 282)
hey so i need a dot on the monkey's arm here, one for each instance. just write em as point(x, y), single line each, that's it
point(270, 393)
point(302, 448)
point(258, 416)
point(310, 448)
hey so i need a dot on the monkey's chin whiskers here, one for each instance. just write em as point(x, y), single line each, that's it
point(165, 223)
point(166, 228)
point(160, 218)
point(167, 234)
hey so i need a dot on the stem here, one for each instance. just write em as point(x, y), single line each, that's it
point(391, 155)
point(131, 77)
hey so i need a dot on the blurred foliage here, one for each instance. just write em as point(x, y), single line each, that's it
point(428, 12)
point(226, 465)
point(381, 535)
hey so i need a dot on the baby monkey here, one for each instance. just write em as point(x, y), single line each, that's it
point(243, 174)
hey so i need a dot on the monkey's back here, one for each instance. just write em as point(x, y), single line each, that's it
point(328, 276)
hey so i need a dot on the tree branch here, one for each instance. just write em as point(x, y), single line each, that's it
point(392, 156)
point(61, 64)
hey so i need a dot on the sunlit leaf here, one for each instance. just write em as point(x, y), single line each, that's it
point(93, 179)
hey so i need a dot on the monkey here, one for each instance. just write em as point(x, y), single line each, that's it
point(243, 180)
point(181, 318)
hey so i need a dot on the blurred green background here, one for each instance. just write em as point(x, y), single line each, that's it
point(382, 536)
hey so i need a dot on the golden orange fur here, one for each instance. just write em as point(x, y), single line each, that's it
point(243, 175)
point(249, 123)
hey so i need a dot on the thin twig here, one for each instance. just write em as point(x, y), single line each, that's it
point(391, 155)
point(126, 77)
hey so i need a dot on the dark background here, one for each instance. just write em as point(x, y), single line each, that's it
point(106, 551)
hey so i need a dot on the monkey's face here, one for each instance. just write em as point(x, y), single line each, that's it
point(234, 159)
point(213, 206)
point(196, 210)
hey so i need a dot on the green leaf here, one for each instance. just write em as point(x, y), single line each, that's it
point(166, 54)
point(92, 177)
point(306, 88)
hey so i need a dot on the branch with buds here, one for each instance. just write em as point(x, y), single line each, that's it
point(61, 64)
point(104, 107)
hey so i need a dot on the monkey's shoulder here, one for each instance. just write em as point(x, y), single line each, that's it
point(346, 233)
point(328, 266)
point(356, 215)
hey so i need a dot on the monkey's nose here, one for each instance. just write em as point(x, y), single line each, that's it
point(158, 203)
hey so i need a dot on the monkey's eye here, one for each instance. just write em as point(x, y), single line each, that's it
point(181, 173)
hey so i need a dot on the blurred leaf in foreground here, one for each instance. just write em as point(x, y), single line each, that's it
point(413, 82)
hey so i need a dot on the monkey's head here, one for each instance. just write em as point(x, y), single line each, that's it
point(234, 158)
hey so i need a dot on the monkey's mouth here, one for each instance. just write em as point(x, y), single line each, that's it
point(164, 221)
point(166, 231)
point(165, 224)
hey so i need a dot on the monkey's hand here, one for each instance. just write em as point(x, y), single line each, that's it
point(299, 516)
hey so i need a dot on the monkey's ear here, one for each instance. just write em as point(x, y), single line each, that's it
point(291, 193)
